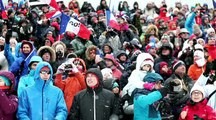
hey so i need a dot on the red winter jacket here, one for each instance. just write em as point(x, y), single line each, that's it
point(200, 109)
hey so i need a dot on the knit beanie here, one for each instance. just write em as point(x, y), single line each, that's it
point(152, 77)
point(210, 30)
point(198, 88)
point(176, 64)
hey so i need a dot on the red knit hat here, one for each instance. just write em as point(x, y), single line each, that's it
point(162, 64)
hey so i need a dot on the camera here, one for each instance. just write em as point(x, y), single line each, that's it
point(68, 68)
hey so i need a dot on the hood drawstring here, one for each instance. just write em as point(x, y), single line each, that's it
point(94, 97)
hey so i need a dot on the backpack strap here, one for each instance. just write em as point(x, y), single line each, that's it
point(211, 94)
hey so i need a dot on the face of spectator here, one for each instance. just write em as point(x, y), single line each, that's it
point(107, 49)
point(158, 85)
point(181, 70)
point(165, 51)
point(196, 96)
point(91, 80)
point(45, 74)
point(146, 67)
point(26, 49)
point(109, 63)
point(184, 35)
point(46, 57)
point(211, 41)
point(34, 65)
point(59, 47)
point(92, 54)
point(48, 43)
point(123, 58)
point(201, 42)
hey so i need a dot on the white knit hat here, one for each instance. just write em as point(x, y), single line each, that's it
point(210, 30)
point(198, 88)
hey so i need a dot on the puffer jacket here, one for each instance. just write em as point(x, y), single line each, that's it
point(89, 102)
point(71, 85)
point(200, 109)
point(42, 100)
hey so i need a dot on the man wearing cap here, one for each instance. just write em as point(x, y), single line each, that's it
point(95, 102)
point(42, 100)
point(183, 84)
point(20, 65)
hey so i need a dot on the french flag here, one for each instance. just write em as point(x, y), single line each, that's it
point(111, 20)
point(53, 14)
point(51, 3)
point(214, 3)
point(3, 12)
point(70, 24)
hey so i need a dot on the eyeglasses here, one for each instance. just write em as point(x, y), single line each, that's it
point(45, 72)
point(196, 93)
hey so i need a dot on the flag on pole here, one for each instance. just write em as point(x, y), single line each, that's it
point(214, 4)
point(70, 24)
point(111, 20)
point(53, 14)
point(3, 12)
point(51, 3)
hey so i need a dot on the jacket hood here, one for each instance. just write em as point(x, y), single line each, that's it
point(11, 77)
point(59, 42)
point(111, 57)
point(144, 58)
point(17, 50)
point(34, 59)
point(98, 73)
point(50, 49)
point(91, 47)
point(162, 14)
point(121, 52)
point(38, 81)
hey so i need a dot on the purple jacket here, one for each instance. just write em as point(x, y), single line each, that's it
point(8, 106)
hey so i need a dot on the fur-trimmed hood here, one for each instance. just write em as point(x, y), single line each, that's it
point(150, 28)
point(59, 42)
point(50, 49)
point(91, 47)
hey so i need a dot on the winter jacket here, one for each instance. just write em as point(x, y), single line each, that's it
point(190, 21)
point(89, 102)
point(42, 100)
point(112, 38)
point(28, 80)
point(211, 51)
point(8, 54)
point(22, 63)
point(201, 109)
point(209, 88)
point(9, 102)
point(142, 106)
point(8, 106)
point(71, 85)
point(194, 71)
point(136, 78)
point(80, 46)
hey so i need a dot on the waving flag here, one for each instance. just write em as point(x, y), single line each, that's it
point(70, 24)
point(51, 3)
point(214, 3)
point(53, 14)
point(111, 20)
point(3, 13)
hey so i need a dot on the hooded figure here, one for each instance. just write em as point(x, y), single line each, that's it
point(144, 64)
point(95, 102)
point(46, 49)
point(20, 66)
point(42, 100)
point(28, 80)
point(9, 102)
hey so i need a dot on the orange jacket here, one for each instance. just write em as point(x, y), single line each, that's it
point(70, 86)
point(194, 71)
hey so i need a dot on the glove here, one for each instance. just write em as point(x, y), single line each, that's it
point(149, 86)
point(196, 117)
point(8, 35)
point(61, 68)
point(214, 65)
point(164, 91)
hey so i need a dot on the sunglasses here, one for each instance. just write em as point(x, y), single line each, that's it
point(45, 72)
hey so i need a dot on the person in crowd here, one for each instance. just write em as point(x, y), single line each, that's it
point(20, 66)
point(85, 104)
point(145, 100)
point(9, 102)
point(42, 100)
point(74, 81)
point(197, 107)
point(47, 54)
point(28, 80)
point(179, 94)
